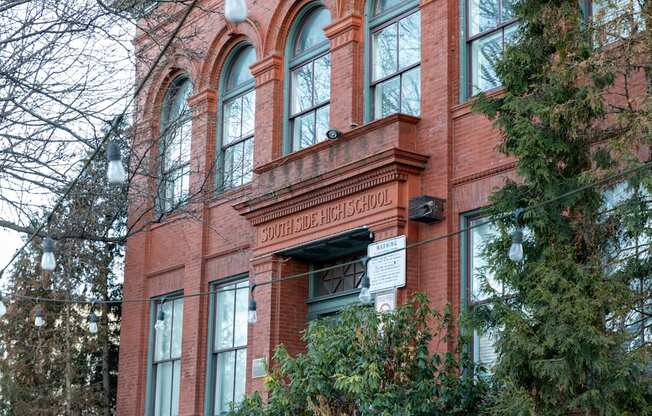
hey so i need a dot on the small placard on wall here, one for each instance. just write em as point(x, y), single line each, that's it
point(386, 301)
point(259, 368)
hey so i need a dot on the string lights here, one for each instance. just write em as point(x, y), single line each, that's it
point(160, 317)
point(92, 320)
point(235, 11)
point(39, 317)
point(252, 316)
point(48, 261)
point(516, 250)
point(115, 173)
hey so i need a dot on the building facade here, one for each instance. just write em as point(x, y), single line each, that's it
point(242, 112)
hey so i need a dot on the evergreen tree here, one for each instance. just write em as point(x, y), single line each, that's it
point(61, 368)
point(574, 321)
point(363, 363)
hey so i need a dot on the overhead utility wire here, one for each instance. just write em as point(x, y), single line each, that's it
point(575, 191)
point(113, 126)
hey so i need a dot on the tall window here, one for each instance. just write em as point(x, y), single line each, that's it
point(167, 358)
point(395, 58)
point(230, 346)
point(310, 81)
point(490, 26)
point(238, 119)
point(614, 20)
point(176, 127)
point(477, 237)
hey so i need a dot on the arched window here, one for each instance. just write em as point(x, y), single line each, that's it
point(176, 132)
point(395, 68)
point(310, 80)
point(238, 98)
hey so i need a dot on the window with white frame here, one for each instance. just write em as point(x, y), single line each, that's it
point(167, 357)
point(614, 20)
point(395, 59)
point(478, 235)
point(229, 347)
point(238, 119)
point(490, 26)
point(176, 133)
point(629, 253)
point(310, 81)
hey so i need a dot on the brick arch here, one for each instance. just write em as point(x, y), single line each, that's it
point(219, 49)
point(172, 67)
point(283, 18)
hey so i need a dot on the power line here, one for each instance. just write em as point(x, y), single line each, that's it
point(492, 220)
point(112, 128)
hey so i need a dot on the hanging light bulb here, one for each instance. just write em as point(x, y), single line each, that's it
point(516, 250)
point(252, 316)
point(39, 317)
point(92, 320)
point(160, 318)
point(235, 11)
point(48, 261)
point(116, 174)
point(365, 292)
point(3, 307)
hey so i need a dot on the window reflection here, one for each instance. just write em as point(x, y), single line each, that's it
point(310, 78)
point(396, 57)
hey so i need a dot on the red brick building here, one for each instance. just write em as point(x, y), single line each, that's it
point(249, 109)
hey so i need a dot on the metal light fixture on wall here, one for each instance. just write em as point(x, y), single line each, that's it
point(516, 249)
point(39, 317)
point(252, 317)
point(235, 11)
point(92, 320)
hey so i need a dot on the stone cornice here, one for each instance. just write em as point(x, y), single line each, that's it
point(389, 166)
point(268, 69)
point(344, 31)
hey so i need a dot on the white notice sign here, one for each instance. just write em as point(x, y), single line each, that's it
point(386, 301)
point(386, 271)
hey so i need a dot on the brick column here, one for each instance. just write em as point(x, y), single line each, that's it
point(269, 109)
point(347, 50)
point(195, 309)
point(282, 313)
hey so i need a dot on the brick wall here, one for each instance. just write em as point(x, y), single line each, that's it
point(188, 253)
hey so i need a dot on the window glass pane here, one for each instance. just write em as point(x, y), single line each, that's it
point(385, 52)
point(312, 31)
point(484, 351)
point(388, 97)
point(224, 381)
point(480, 236)
point(382, 5)
point(304, 131)
point(241, 313)
point(163, 399)
point(411, 92)
point(338, 279)
point(323, 123)
point(176, 381)
point(177, 326)
point(240, 375)
point(163, 335)
point(238, 164)
point(232, 120)
point(409, 32)
point(322, 79)
point(484, 54)
point(248, 113)
point(224, 328)
point(227, 179)
point(240, 73)
point(508, 10)
point(483, 15)
point(248, 173)
point(302, 88)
